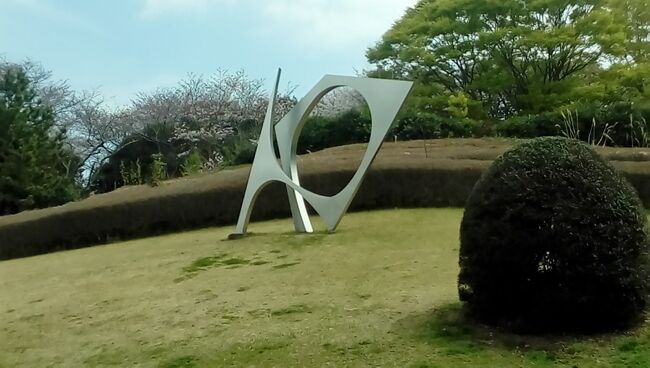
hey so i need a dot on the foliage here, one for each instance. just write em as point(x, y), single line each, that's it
point(616, 124)
point(193, 164)
point(213, 110)
point(339, 101)
point(517, 58)
point(619, 123)
point(131, 175)
point(433, 126)
point(321, 132)
point(553, 238)
point(529, 126)
point(238, 151)
point(158, 169)
point(136, 155)
point(33, 159)
point(422, 126)
point(93, 130)
point(458, 105)
point(327, 128)
point(215, 119)
point(633, 33)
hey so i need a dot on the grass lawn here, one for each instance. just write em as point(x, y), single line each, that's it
point(379, 292)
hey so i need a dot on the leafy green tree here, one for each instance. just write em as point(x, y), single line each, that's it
point(510, 57)
point(457, 105)
point(630, 34)
point(33, 157)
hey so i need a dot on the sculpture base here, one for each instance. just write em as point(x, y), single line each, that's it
point(235, 236)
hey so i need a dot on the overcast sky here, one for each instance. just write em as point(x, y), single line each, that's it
point(129, 46)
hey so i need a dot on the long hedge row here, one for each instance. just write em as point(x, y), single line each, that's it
point(215, 200)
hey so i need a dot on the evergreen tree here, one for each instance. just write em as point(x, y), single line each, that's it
point(32, 154)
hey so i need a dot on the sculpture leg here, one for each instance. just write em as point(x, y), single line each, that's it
point(246, 209)
point(299, 212)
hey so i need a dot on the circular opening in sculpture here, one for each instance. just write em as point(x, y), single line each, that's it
point(341, 118)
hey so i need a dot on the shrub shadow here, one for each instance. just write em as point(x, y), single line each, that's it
point(451, 327)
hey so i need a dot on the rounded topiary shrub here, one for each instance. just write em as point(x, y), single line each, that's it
point(553, 238)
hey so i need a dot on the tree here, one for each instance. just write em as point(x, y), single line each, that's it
point(631, 40)
point(206, 114)
point(93, 131)
point(339, 101)
point(217, 117)
point(510, 57)
point(33, 155)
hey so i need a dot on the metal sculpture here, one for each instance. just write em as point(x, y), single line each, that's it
point(384, 98)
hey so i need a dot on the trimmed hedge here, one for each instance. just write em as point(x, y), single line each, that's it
point(554, 239)
point(395, 180)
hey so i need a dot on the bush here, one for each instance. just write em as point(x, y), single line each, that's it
point(423, 126)
point(238, 151)
point(530, 126)
point(158, 169)
point(133, 164)
point(321, 132)
point(616, 124)
point(431, 126)
point(553, 238)
point(193, 164)
point(212, 200)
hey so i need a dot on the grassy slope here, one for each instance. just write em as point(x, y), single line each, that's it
point(379, 292)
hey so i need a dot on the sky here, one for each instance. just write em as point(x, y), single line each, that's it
point(123, 47)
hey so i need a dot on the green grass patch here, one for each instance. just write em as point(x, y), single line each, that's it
point(206, 263)
point(259, 263)
point(381, 291)
point(285, 265)
point(235, 261)
point(203, 263)
point(292, 309)
point(181, 362)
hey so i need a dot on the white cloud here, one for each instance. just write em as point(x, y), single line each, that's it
point(332, 23)
point(335, 22)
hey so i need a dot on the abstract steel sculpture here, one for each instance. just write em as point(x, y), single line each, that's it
point(384, 98)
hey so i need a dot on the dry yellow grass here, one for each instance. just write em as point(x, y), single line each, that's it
point(129, 302)
point(379, 292)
